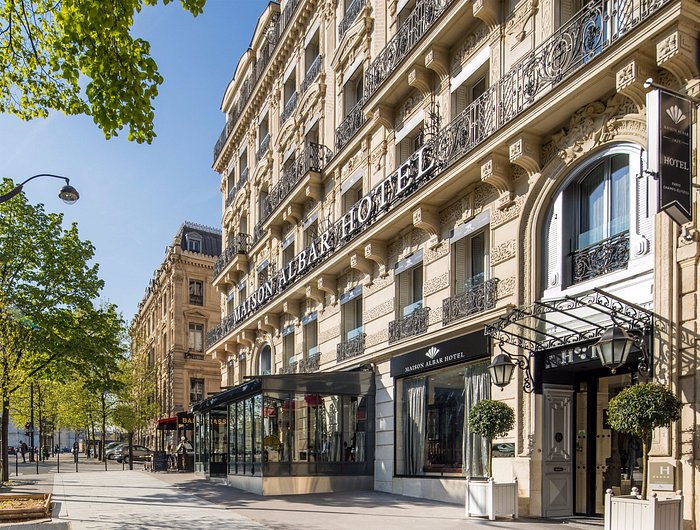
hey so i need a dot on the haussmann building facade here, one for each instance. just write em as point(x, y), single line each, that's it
point(412, 188)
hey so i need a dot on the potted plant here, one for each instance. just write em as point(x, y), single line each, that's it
point(491, 419)
point(638, 410)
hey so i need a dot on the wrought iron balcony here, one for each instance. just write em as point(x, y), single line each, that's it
point(475, 300)
point(310, 364)
point(264, 146)
point(313, 158)
point(411, 31)
point(351, 348)
point(258, 233)
point(409, 326)
point(288, 108)
point(311, 74)
point(237, 187)
point(349, 126)
point(219, 331)
point(239, 245)
point(274, 31)
point(604, 257)
point(349, 17)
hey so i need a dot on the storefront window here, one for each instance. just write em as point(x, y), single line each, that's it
point(432, 432)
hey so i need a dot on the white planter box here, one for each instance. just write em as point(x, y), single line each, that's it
point(487, 498)
point(629, 512)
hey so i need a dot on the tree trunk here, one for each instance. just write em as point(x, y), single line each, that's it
point(104, 428)
point(131, 450)
point(5, 432)
point(645, 464)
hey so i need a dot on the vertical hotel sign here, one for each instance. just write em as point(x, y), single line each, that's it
point(670, 152)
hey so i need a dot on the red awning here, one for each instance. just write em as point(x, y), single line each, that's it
point(167, 424)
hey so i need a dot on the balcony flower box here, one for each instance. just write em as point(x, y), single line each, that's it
point(631, 512)
point(488, 498)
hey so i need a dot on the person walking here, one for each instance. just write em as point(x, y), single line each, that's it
point(76, 450)
point(23, 450)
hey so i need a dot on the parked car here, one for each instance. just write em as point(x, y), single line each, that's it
point(65, 450)
point(110, 445)
point(11, 450)
point(140, 452)
point(114, 451)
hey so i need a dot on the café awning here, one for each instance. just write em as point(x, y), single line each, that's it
point(167, 424)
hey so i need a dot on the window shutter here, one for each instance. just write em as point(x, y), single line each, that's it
point(460, 265)
point(567, 9)
point(404, 150)
point(404, 297)
point(460, 99)
point(348, 319)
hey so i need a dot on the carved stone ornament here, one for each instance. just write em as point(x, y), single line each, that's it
point(503, 252)
point(469, 45)
point(596, 124)
point(677, 52)
point(515, 27)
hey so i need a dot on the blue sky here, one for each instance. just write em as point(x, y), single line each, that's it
point(134, 197)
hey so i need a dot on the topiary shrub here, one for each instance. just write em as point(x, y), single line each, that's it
point(491, 419)
point(638, 410)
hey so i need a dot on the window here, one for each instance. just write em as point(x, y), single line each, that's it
point(266, 360)
point(566, 10)
point(287, 250)
point(290, 87)
point(404, 10)
point(311, 52)
point(351, 197)
point(230, 301)
point(242, 292)
point(432, 431)
point(196, 390)
point(288, 345)
point(165, 343)
point(262, 204)
point(470, 262)
point(353, 92)
point(602, 197)
point(469, 92)
point(194, 242)
point(243, 164)
point(410, 290)
point(195, 342)
point(196, 292)
point(310, 335)
point(310, 233)
point(409, 145)
point(263, 273)
point(352, 316)
point(263, 132)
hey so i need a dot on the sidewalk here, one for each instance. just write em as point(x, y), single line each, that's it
point(120, 500)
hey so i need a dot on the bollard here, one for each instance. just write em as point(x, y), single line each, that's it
point(76, 461)
point(16, 465)
point(58, 461)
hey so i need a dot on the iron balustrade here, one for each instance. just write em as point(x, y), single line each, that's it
point(349, 126)
point(258, 233)
point(475, 300)
point(242, 179)
point(409, 326)
point(231, 195)
point(310, 364)
point(411, 31)
point(349, 17)
point(264, 146)
point(604, 257)
point(239, 245)
point(313, 158)
point(289, 107)
point(275, 29)
point(288, 369)
point(351, 348)
point(311, 74)
point(222, 329)
point(237, 187)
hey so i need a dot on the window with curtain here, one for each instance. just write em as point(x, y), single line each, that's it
point(470, 261)
point(410, 290)
point(432, 432)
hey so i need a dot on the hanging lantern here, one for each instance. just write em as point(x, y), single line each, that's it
point(501, 370)
point(613, 347)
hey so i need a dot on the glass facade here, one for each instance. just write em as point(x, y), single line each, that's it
point(432, 435)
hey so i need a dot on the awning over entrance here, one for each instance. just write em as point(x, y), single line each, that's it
point(569, 320)
point(356, 382)
point(167, 424)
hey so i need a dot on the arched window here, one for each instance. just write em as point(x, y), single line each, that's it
point(266, 360)
point(600, 219)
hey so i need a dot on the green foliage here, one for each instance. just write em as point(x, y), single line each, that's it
point(79, 57)
point(491, 419)
point(639, 409)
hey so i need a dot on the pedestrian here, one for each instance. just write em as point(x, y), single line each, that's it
point(56, 450)
point(76, 450)
point(23, 450)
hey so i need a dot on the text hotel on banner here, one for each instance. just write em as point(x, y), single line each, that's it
point(670, 152)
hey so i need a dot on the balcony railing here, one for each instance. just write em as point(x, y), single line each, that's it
point(604, 257)
point(288, 108)
point(258, 233)
point(310, 364)
point(223, 328)
point(349, 17)
point(313, 158)
point(351, 348)
point(416, 25)
point(289, 369)
point(240, 245)
point(475, 300)
point(349, 126)
point(409, 326)
point(264, 146)
point(274, 31)
point(311, 74)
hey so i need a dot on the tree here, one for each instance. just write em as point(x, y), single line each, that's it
point(46, 290)
point(79, 57)
point(638, 410)
point(491, 419)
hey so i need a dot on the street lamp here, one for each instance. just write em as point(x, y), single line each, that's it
point(613, 347)
point(68, 193)
point(503, 365)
